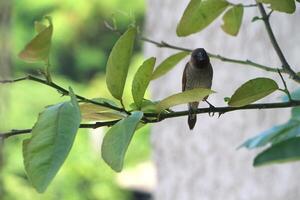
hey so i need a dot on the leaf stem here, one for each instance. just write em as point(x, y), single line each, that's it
point(163, 44)
point(285, 90)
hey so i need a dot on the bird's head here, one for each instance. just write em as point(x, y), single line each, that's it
point(199, 58)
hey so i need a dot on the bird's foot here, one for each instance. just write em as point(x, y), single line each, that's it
point(211, 107)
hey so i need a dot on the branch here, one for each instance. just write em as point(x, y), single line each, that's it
point(163, 44)
point(26, 131)
point(162, 116)
point(286, 67)
point(63, 91)
point(222, 110)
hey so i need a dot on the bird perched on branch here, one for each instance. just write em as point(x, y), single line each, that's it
point(198, 73)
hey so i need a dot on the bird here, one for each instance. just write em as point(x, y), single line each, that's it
point(198, 73)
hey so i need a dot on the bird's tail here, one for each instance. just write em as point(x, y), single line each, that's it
point(192, 119)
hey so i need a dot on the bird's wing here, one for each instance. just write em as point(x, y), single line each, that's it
point(184, 77)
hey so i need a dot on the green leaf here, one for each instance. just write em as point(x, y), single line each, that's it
point(273, 135)
point(184, 97)
point(287, 6)
point(277, 134)
point(147, 106)
point(38, 48)
point(256, 18)
point(39, 26)
point(199, 14)
point(90, 114)
point(286, 151)
point(233, 20)
point(226, 99)
point(168, 64)
point(252, 91)
point(118, 63)
point(51, 141)
point(141, 81)
point(117, 139)
point(94, 112)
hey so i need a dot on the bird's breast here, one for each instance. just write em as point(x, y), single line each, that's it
point(198, 78)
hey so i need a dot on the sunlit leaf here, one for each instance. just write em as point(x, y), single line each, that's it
point(233, 20)
point(39, 26)
point(198, 15)
point(94, 112)
point(147, 106)
point(38, 48)
point(184, 97)
point(118, 63)
point(252, 91)
point(286, 151)
point(168, 64)
point(52, 138)
point(287, 6)
point(117, 139)
point(141, 80)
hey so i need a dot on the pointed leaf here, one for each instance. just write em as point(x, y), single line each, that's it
point(287, 6)
point(199, 14)
point(233, 20)
point(252, 91)
point(39, 26)
point(117, 139)
point(168, 64)
point(286, 151)
point(52, 138)
point(90, 107)
point(94, 112)
point(141, 81)
point(118, 63)
point(273, 135)
point(183, 97)
point(38, 48)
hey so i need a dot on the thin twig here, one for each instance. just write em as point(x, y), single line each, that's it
point(285, 65)
point(285, 90)
point(26, 131)
point(63, 91)
point(163, 44)
point(222, 110)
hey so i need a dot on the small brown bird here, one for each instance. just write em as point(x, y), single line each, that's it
point(198, 73)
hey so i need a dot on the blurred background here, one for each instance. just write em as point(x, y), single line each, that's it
point(80, 48)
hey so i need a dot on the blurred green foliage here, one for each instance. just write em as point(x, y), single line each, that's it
point(84, 175)
point(80, 48)
point(81, 42)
